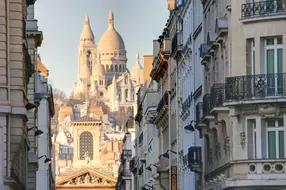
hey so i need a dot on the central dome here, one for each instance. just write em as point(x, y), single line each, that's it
point(111, 40)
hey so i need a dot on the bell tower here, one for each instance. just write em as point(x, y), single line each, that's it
point(86, 54)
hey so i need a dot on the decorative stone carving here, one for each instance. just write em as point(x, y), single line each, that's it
point(87, 179)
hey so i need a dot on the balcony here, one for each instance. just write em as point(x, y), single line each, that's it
point(177, 44)
point(217, 95)
point(150, 103)
point(255, 88)
point(133, 165)
point(199, 112)
point(160, 63)
point(263, 9)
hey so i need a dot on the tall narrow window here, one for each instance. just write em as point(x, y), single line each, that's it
point(88, 60)
point(120, 68)
point(254, 139)
point(116, 68)
point(111, 68)
point(86, 145)
point(126, 94)
point(274, 65)
point(107, 68)
point(126, 79)
point(275, 139)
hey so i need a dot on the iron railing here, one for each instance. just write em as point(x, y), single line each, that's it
point(217, 95)
point(263, 8)
point(255, 86)
point(187, 103)
point(163, 102)
point(199, 112)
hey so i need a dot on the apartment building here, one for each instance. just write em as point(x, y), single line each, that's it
point(17, 68)
point(191, 89)
point(44, 95)
point(243, 104)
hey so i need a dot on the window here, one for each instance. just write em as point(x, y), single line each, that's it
point(120, 68)
point(275, 139)
point(126, 79)
point(107, 68)
point(101, 82)
point(273, 65)
point(116, 68)
point(254, 140)
point(89, 61)
point(126, 94)
point(111, 68)
point(86, 145)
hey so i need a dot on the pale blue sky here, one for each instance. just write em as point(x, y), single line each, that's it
point(138, 22)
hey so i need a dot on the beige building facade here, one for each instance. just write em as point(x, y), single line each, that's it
point(243, 106)
point(18, 159)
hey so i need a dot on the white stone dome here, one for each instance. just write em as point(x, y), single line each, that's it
point(86, 34)
point(111, 40)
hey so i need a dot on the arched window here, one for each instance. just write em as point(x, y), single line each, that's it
point(126, 94)
point(86, 145)
point(116, 69)
point(111, 68)
point(120, 68)
point(107, 68)
point(88, 60)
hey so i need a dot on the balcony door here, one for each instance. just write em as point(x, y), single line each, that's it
point(274, 66)
point(272, 6)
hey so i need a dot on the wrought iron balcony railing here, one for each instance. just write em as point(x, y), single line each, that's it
point(263, 8)
point(255, 86)
point(217, 95)
point(199, 112)
point(163, 102)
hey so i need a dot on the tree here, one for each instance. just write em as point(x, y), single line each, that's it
point(59, 94)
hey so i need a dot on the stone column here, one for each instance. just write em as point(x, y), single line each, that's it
point(258, 137)
point(258, 55)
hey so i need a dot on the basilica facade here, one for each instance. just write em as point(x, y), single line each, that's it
point(102, 70)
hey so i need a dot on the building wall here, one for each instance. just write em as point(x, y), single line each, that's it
point(13, 89)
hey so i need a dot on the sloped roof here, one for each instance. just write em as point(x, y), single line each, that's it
point(42, 68)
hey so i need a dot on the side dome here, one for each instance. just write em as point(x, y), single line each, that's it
point(111, 40)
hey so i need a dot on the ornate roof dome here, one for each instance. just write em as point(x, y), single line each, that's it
point(111, 39)
point(86, 34)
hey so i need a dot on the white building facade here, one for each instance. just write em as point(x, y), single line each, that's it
point(45, 176)
point(191, 86)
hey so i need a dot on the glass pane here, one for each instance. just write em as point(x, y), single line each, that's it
point(281, 122)
point(270, 41)
point(279, 40)
point(271, 145)
point(271, 123)
point(281, 144)
point(279, 60)
point(270, 70)
point(280, 71)
point(254, 144)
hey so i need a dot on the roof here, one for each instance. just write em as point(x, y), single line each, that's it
point(86, 34)
point(42, 68)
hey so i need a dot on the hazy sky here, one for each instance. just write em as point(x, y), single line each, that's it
point(138, 22)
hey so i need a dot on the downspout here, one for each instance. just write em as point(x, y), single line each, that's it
point(8, 168)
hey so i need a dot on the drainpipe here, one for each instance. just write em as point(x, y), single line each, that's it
point(8, 168)
point(169, 119)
